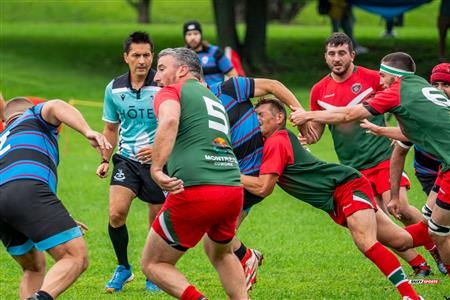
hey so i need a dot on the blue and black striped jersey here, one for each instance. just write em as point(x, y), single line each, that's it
point(246, 138)
point(214, 64)
point(29, 149)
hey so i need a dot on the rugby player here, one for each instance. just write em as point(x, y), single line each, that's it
point(32, 218)
point(205, 195)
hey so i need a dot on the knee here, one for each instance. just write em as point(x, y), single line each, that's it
point(117, 219)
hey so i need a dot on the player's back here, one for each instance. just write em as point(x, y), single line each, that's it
point(246, 138)
point(29, 149)
point(424, 116)
point(307, 177)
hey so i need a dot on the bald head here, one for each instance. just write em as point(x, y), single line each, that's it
point(15, 107)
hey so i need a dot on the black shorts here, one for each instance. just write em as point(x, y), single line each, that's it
point(31, 215)
point(427, 181)
point(250, 200)
point(136, 176)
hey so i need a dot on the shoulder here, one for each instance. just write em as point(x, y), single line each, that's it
point(120, 81)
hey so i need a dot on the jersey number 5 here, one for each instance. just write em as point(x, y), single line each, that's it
point(2, 143)
point(435, 96)
point(216, 110)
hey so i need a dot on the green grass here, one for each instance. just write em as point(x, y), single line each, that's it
point(44, 52)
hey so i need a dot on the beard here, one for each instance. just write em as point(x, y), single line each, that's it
point(343, 69)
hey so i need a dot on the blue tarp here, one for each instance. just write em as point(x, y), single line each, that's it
point(388, 8)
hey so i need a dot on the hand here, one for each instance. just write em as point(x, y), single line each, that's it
point(167, 183)
point(394, 208)
point(82, 226)
point(370, 127)
point(102, 170)
point(309, 134)
point(145, 154)
point(97, 140)
point(298, 116)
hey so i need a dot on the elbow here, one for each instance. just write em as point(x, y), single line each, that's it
point(265, 191)
point(170, 122)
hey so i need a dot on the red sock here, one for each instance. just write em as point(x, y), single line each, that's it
point(419, 233)
point(390, 266)
point(447, 267)
point(191, 293)
point(417, 261)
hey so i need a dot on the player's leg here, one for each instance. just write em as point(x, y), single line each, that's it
point(250, 259)
point(439, 224)
point(158, 264)
point(71, 260)
point(228, 267)
point(33, 266)
point(363, 227)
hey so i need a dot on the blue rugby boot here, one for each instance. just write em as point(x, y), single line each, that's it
point(151, 287)
point(120, 277)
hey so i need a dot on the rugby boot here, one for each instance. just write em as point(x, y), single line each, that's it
point(151, 287)
point(422, 270)
point(438, 260)
point(120, 277)
point(251, 261)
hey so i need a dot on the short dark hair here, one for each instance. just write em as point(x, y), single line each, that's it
point(338, 39)
point(275, 105)
point(400, 60)
point(137, 37)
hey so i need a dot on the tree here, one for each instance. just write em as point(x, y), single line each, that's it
point(142, 8)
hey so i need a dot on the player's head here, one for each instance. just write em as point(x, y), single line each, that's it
point(339, 53)
point(15, 107)
point(138, 53)
point(271, 115)
point(192, 32)
point(394, 66)
point(175, 64)
point(440, 77)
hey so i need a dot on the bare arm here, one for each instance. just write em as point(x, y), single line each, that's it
point(280, 91)
point(166, 133)
point(262, 185)
point(110, 131)
point(56, 112)
point(335, 116)
point(394, 133)
point(396, 169)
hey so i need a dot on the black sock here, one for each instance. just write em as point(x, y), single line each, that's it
point(119, 239)
point(41, 295)
point(240, 252)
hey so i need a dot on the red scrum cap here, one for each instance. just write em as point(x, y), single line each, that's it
point(441, 72)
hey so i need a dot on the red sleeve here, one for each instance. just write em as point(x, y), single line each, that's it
point(315, 91)
point(384, 101)
point(171, 92)
point(277, 153)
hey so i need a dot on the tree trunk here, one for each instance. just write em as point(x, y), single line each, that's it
point(143, 9)
point(254, 49)
point(226, 24)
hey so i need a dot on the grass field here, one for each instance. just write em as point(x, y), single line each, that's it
point(45, 51)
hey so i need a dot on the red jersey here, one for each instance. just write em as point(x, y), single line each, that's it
point(353, 145)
